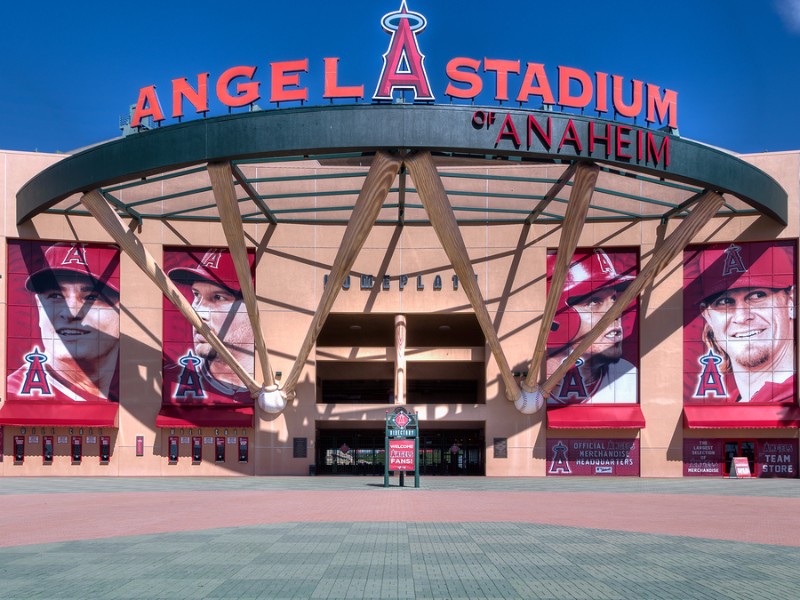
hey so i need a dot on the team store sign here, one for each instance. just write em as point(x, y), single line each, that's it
point(404, 70)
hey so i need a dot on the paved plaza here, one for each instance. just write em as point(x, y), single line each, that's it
point(349, 537)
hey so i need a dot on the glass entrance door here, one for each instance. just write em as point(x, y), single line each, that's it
point(362, 452)
point(746, 448)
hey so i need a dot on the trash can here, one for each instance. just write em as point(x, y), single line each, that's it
point(312, 469)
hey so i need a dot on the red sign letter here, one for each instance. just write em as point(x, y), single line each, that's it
point(332, 89)
point(246, 93)
point(147, 106)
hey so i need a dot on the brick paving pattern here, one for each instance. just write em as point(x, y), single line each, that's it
point(351, 538)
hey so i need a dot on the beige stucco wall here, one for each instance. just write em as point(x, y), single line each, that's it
point(292, 261)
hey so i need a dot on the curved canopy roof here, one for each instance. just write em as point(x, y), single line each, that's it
point(307, 165)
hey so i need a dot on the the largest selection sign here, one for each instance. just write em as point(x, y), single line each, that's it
point(63, 326)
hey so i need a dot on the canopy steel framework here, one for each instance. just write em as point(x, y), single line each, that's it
point(351, 165)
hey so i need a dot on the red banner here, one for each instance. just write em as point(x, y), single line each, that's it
point(193, 373)
point(402, 455)
point(607, 373)
point(585, 457)
point(62, 332)
point(739, 323)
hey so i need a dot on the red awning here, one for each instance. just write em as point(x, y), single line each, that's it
point(59, 414)
point(205, 416)
point(595, 416)
point(771, 416)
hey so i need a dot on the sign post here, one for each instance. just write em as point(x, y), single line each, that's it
point(402, 445)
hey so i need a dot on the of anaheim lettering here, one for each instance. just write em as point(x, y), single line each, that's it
point(608, 140)
point(525, 82)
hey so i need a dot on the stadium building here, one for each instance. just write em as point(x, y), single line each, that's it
point(552, 293)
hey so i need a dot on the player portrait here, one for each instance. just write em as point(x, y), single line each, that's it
point(739, 323)
point(607, 373)
point(62, 329)
point(193, 372)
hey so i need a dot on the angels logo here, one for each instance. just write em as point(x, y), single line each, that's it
point(560, 462)
point(211, 259)
point(711, 381)
point(605, 263)
point(35, 382)
point(75, 255)
point(572, 384)
point(734, 263)
point(189, 381)
point(403, 66)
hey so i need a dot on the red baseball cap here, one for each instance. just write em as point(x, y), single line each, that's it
point(98, 262)
point(216, 267)
point(590, 272)
point(715, 269)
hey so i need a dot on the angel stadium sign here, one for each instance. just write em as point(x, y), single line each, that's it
point(404, 71)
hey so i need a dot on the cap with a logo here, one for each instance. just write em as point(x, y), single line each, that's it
point(589, 273)
point(216, 267)
point(715, 269)
point(98, 262)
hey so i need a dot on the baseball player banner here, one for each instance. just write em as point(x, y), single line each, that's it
point(193, 373)
point(607, 373)
point(590, 457)
point(62, 329)
point(739, 323)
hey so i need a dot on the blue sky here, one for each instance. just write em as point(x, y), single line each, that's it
point(69, 70)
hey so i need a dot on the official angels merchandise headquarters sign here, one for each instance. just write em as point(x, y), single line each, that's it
point(590, 457)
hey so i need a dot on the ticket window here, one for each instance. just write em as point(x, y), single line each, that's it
point(76, 449)
point(105, 449)
point(243, 449)
point(219, 449)
point(746, 448)
point(47, 449)
point(173, 449)
point(197, 450)
point(19, 449)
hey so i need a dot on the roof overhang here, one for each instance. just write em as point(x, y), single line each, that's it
point(735, 416)
point(459, 134)
point(596, 416)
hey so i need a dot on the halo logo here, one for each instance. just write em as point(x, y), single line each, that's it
point(403, 66)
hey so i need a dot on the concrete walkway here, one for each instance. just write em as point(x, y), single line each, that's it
point(335, 537)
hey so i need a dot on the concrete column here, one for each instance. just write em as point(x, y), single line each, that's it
point(400, 359)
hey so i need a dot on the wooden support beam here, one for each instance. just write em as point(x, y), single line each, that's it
point(221, 177)
point(365, 212)
point(434, 198)
point(574, 219)
point(130, 244)
point(552, 193)
point(706, 208)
